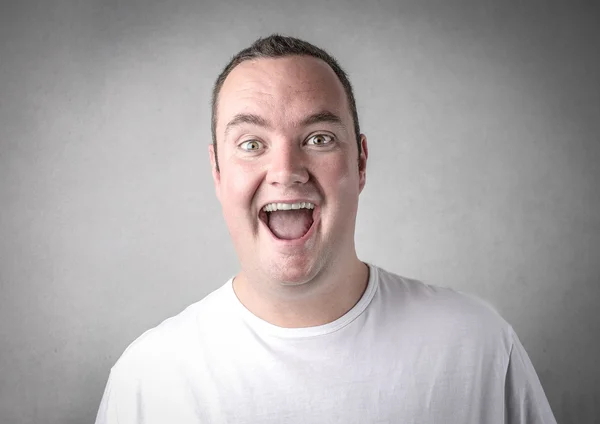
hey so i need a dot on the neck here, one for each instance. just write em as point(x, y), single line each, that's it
point(317, 302)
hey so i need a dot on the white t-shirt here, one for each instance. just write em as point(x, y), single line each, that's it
point(405, 353)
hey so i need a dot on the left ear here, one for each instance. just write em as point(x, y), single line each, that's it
point(362, 162)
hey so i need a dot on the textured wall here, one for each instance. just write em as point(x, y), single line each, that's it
point(483, 121)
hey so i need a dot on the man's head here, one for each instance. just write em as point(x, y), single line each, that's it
point(286, 137)
point(276, 46)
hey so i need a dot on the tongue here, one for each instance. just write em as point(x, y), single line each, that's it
point(291, 224)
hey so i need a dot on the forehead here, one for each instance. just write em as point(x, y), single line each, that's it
point(281, 90)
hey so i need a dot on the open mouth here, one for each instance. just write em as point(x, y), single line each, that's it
point(288, 221)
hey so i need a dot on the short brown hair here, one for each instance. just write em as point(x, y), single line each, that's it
point(281, 46)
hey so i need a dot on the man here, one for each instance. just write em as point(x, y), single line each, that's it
point(306, 332)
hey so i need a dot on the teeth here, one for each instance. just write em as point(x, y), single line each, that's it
point(271, 207)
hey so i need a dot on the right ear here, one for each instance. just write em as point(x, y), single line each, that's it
point(216, 174)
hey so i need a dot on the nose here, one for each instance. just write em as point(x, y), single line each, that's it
point(287, 166)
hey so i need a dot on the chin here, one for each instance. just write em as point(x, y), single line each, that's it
point(293, 272)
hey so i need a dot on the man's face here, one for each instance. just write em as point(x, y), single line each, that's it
point(285, 135)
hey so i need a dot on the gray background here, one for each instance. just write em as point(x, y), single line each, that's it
point(483, 122)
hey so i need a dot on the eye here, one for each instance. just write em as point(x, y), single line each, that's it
point(319, 140)
point(251, 145)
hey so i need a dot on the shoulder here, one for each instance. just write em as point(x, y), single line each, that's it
point(443, 313)
point(176, 337)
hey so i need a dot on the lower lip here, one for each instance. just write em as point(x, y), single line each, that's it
point(299, 241)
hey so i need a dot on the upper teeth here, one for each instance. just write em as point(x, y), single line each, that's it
point(271, 207)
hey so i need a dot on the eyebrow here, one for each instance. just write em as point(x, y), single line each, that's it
point(252, 119)
point(323, 117)
point(246, 118)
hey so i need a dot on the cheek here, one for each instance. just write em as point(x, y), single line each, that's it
point(341, 177)
point(238, 187)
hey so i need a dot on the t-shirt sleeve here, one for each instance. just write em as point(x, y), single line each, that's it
point(525, 400)
point(107, 413)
